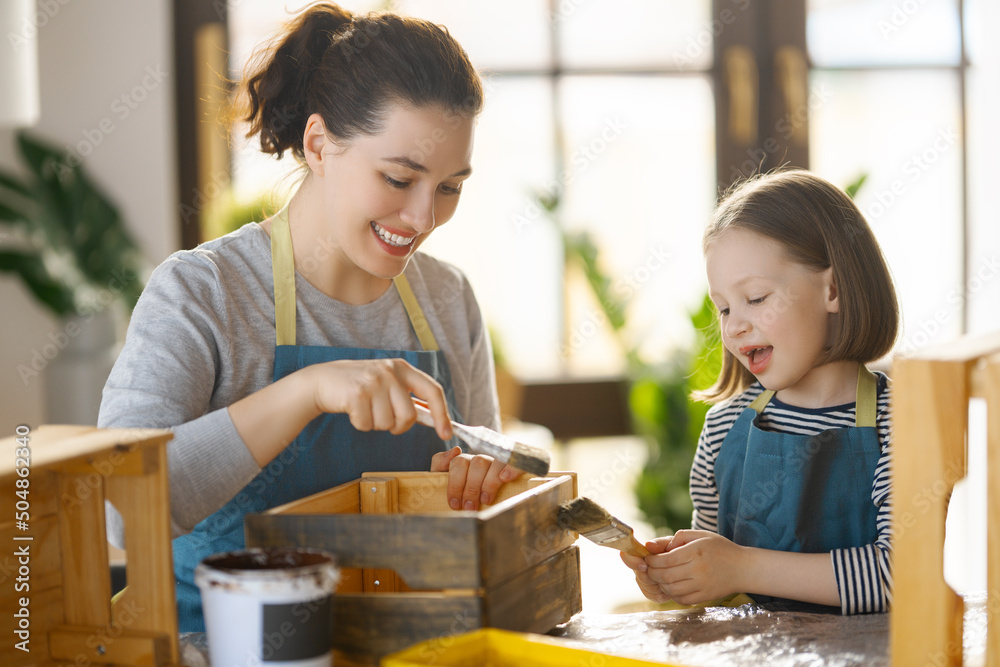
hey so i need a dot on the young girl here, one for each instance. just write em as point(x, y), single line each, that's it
point(283, 356)
point(790, 481)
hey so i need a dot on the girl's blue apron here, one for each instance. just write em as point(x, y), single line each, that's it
point(328, 451)
point(808, 494)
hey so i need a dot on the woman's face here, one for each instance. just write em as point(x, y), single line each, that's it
point(384, 194)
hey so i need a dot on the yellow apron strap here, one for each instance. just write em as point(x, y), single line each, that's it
point(866, 407)
point(283, 269)
point(761, 401)
point(417, 319)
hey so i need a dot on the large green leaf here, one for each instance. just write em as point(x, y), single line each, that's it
point(581, 248)
point(11, 182)
point(8, 214)
point(52, 292)
point(69, 215)
point(51, 170)
point(707, 361)
point(16, 205)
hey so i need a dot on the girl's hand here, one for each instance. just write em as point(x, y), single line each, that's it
point(472, 480)
point(695, 566)
point(375, 394)
point(650, 588)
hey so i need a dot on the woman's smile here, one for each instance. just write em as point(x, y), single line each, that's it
point(393, 243)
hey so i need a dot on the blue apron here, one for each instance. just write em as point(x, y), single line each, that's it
point(328, 451)
point(807, 494)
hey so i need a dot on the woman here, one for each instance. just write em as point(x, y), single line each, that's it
point(283, 355)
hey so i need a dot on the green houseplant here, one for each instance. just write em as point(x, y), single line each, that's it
point(63, 236)
point(659, 398)
point(65, 239)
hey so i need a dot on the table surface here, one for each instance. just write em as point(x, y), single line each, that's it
point(751, 636)
point(747, 636)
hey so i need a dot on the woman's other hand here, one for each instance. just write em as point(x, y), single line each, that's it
point(473, 480)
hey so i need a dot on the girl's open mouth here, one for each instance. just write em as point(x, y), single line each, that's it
point(758, 356)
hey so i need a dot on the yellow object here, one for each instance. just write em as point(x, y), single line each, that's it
point(283, 272)
point(490, 647)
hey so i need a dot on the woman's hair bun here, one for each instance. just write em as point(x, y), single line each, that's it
point(347, 69)
point(276, 81)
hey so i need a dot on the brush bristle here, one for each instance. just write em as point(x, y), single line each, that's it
point(583, 515)
point(530, 459)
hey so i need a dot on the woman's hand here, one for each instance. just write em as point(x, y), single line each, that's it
point(472, 480)
point(693, 566)
point(375, 394)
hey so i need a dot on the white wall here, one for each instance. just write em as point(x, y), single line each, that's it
point(103, 64)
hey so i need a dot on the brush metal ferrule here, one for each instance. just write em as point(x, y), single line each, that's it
point(612, 532)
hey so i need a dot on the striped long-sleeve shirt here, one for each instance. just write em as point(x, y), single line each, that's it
point(863, 575)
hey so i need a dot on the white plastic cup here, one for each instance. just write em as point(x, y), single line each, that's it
point(268, 607)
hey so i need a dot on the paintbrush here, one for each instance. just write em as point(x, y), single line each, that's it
point(482, 440)
point(595, 523)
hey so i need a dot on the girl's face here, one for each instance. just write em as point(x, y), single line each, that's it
point(384, 194)
point(775, 314)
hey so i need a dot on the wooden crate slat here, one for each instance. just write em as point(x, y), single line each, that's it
point(422, 492)
point(143, 501)
point(369, 626)
point(46, 613)
point(537, 599)
point(524, 531)
point(111, 645)
point(84, 554)
point(42, 493)
point(341, 499)
point(43, 551)
point(55, 446)
point(427, 551)
point(379, 495)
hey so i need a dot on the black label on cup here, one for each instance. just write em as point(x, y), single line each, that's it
point(296, 631)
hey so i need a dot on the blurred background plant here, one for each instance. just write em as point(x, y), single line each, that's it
point(228, 213)
point(659, 396)
point(63, 236)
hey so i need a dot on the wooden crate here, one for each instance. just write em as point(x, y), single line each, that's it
point(414, 570)
point(930, 396)
point(66, 584)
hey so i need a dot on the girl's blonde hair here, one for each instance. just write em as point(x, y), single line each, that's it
point(819, 227)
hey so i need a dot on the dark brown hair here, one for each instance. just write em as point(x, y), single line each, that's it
point(348, 68)
point(819, 227)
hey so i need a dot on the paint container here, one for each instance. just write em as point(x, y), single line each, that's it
point(268, 607)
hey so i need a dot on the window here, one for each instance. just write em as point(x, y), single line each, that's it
point(618, 122)
point(630, 111)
